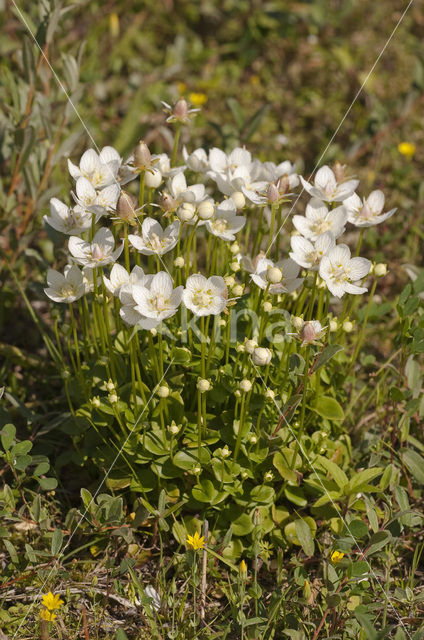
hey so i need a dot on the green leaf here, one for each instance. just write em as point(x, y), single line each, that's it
point(378, 541)
point(280, 463)
point(326, 354)
point(338, 475)
point(57, 539)
point(8, 434)
point(204, 491)
point(48, 484)
point(296, 495)
point(361, 479)
point(304, 535)
point(414, 463)
point(328, 408)
point(242, 525)
point(366, 624)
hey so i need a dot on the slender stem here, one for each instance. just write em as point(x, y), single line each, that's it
point(176, 141)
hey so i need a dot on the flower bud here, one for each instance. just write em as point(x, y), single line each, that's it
point(113, 398)
point(110, 386)
point(142, 156)
point(267, 307)
point(274, 275)
point(261, 356)
point(235, 248)
point(95, 402)
point(197, 470)
point(173, 428)
point(238, 290)
point(253, 439)
point(237, 393)
point(222, 322)
point(152, 178)
point(235, 266)
point(229, 281)
point(205, 210)
point(203, 385)
point(238, 198)
point(163, 392)
point(269, 394)
point(245, 386)
point(126, 206)
point(268, 476)
point(380, 269)
point(240, 348)
point(310, 331)
point(180, 110)
point(243, 570)
point(167, 202)
point(225, 452)
point(272, 193)
point(244, 475)
point(347, 326)
point(179, 262)
point(186, 212)
point(283, 185)
point(333, 325)
point(250, 345)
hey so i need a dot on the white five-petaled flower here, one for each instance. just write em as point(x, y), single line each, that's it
point(339, 271)
point(98, 202)
point(318, 219)
point(327, 188)
point(237, 180)
point(119, 277)
point(101, 169)
point(66, 287)
point(220, 162)
point(177, 187)
point(99, 252)
point(308, 254)
point(226, 223)
point(197, 160)
point(155, 240)
point(128, 313)
point(157, 299)
point(205, 296)
point(272, 172)
point(367, 212)
point(66, 220)
point(289, 272)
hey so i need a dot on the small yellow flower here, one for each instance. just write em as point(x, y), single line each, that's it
point(196, 542)
point(407, 149)
point(51, 601)
point(243, 570)
point(336, 556)
point(254, 80)
point(182, 88)
point(198, 99)
point(45, 614)
point(114, 25)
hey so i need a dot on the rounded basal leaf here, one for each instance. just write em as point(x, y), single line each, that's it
point(118, 483)
point(242, 525)
point(328, 408)
point(282, 464)
point(48, 484)
point(187, 458)
point(296, 496)
point(204, 491)
point(279, 514)
point(262, 494)
point(291, 532)
point(233, 549)
point(155, 443)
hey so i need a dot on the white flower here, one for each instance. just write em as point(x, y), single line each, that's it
point(100, 169)
point(66, 287)
point(261, 356)
point(339, 270)
point(238, 181)
point(159, 300)
point(205, 296)
point(308, 254)
point(155, 240)
point(97, 253)
point(318, 219)
point(272, 172)
point(197, 161)
point(177, 187)
point(327, 188)
point(119, 276)
point(289, 270)
point(99, 202)
point(162, 162)
point(226, 223)
point(128, 312)
point(66, 220)
point(366, 212)
point(220, 162)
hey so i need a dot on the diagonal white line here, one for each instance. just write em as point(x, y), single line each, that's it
point(56, 77)
point(71, 535)
point(361, 551)
point(358, 93)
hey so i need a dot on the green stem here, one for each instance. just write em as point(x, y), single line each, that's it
point(176, 141)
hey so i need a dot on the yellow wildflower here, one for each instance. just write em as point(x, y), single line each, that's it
point(197, 99)
point(243, 570)
point(336, 556)
point(407, 149)
point(52, 602)
point(45, 614)
point(114, 25)
point(182, 88)
point(196, 542)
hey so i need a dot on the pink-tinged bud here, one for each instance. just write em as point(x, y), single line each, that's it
point(310, 332)
point(339, 172)
point(142, 156)
point(167, 202)
point(180, 109)
point(272, 193)
point(126, 206)
point(283, 184)
point(366, 211)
